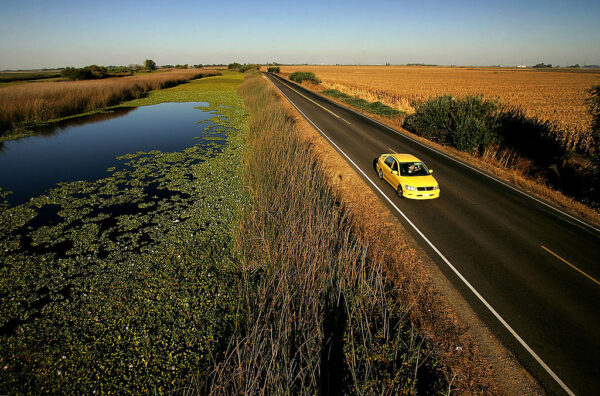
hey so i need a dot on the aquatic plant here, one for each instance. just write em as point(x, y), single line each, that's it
point(126, 284)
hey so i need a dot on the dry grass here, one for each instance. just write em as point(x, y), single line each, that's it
point(43, 101)
point(556, 96)
point(329, 305)
point(317, 314)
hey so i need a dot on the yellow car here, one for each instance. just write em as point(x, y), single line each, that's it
point(408, 175)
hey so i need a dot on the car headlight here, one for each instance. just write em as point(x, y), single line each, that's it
point(410, 188)
point(436, 187)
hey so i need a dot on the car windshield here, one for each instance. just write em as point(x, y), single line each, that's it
point(413, 169)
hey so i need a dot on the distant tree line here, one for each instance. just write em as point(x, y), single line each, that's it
point(243, 68)
point(185, 66)
point(94, 71)
point(118, 69)
point(84, 73)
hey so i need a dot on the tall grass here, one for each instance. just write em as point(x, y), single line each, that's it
point(593, 103)
point(316, 314)
point(37, 102)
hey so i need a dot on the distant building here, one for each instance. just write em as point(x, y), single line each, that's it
point(522, 66)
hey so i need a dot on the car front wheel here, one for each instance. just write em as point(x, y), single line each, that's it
point(399, 190)
point(379, 173)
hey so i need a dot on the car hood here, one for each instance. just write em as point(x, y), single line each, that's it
point(419, 181)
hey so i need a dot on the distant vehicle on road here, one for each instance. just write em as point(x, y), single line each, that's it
point(408, 175)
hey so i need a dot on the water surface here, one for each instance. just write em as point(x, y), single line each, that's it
point(83, 148)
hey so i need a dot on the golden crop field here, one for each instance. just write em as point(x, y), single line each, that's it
point(556, 95)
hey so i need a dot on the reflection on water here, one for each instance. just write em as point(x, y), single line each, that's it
point(83, 148)
point(57, 127)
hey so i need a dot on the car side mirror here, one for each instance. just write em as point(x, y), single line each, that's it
point(430, 171)
point(394, 172)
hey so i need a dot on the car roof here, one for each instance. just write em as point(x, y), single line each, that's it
point(405, 157)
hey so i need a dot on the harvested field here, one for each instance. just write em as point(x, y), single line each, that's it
point(557, 95)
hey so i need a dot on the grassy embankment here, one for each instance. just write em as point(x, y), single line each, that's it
point(376, 107)
point(24, 106)
point(328, 304)
point(127, 284)
point(560, 165)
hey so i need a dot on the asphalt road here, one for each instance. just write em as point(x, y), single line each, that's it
point(531, 272)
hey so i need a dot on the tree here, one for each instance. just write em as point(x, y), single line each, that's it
point(84, 73)
point(150, 64)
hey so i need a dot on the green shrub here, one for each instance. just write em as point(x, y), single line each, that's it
point(249, 66)
point(72, 73)
point(150, 64)
point(304, 76)
point(273, 69)
point(371, 107)
point(84, 73)
point(118, 69)
point(233, 66)
point(469, 124)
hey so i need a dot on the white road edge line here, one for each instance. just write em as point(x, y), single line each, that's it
point(472, 168)
point(465, 281)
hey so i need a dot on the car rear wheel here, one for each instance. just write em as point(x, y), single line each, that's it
point(379, 173)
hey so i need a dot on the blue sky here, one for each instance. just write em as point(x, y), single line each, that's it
point(76, 33)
